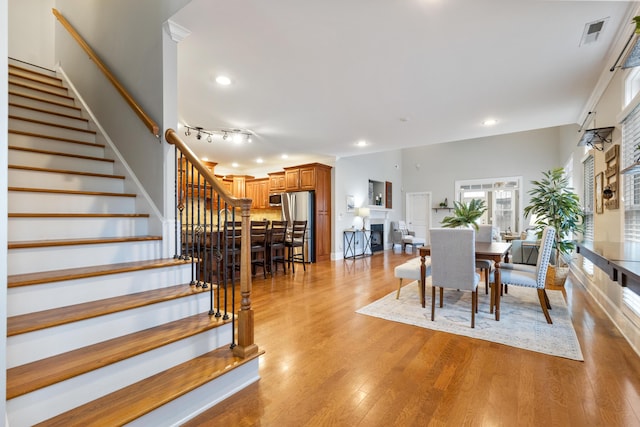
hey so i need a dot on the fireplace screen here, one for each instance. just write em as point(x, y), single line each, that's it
point(377, 237)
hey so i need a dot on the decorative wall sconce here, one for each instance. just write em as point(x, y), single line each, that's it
point(596, 137)
point(607, 193)
point(236, 135)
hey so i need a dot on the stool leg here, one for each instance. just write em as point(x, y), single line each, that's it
point(399, 286)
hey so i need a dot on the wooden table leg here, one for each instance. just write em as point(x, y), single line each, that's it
point(496, 290)
point(423, 276)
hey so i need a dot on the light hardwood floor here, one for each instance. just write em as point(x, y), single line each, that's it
point(325, 365)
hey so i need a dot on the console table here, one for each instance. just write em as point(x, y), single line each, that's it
point(620, 261)
point(356, 243)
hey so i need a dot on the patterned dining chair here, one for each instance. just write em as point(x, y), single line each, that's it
point(533, 276)
point(454, 271)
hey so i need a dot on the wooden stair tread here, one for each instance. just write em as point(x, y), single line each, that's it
point(53, 82)
point(39, 135)
point(38, 89)
point(36, 72)
point(30, 322)
point(59, 153)
point(65, 171)
point(42, 122)
point(54, 113)
point(72, 242)
point(40, 277)
point(42, 373)
point(76, 192)
point(136, 400)
point(48, 101)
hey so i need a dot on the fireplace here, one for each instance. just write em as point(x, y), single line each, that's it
point(377, 237)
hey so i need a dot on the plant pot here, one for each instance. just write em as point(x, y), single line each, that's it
point(556, 276)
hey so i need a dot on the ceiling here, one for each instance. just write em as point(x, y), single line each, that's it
point(312, 78)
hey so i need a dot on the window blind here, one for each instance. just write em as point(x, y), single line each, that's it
point(588, 200)
point(631, 182)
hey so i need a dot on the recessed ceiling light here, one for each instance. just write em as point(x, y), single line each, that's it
point(490, 122)
point(223, 80)
point(284, 156)
point(205, 159)
point(361, 143)
point(234, 164)
point(259, 160)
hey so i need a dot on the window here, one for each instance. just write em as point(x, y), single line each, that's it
point(632, 86)
point(503, 199)
point(631, 194)
point(631, 182)
point(588, 200)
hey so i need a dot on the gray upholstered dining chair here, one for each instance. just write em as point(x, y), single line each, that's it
point(486, 233)
point(454, 271)
point(533, 276)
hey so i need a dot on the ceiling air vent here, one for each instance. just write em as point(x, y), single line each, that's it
point(592, 31)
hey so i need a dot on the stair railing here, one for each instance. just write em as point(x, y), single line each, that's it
point(148, 122)
point(208, 233)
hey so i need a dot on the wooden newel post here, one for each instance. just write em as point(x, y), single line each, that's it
point(246, 347)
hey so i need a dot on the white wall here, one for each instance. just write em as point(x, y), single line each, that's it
point(4, 113)
point(128, 37)
point(351, 177)
point(31, 29)
point(435, 168)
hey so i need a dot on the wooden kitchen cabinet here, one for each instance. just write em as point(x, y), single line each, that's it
point(258, 191)
point(301, 178)
point(276, 182)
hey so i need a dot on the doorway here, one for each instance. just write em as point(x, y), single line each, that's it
point(418, 214)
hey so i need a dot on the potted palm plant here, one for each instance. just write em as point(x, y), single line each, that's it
point(465, 214)
point(554, 203)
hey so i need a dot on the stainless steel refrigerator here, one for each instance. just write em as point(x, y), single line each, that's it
point(300, 206)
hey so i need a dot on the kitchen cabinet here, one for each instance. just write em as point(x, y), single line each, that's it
point(301, 178)
point(258, 191)
point(238, 184)
point(277, 182)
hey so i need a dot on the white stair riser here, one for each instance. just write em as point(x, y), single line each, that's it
point(40, 94)
point(32, 346)
point(63, 181)
point(40, 297)
point(76, 391)
point(185, 407)
point(32, 260)
point(75, 228)
point(28, 202)
point(43, 160)
point(59, 89)
point(48, 117)
point(27, 141)
point(49, 130)
point(30, 102)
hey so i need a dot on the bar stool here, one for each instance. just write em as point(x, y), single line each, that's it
point(298, 233)
point(276, 245)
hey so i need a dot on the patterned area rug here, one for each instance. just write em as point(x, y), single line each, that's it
point(522, 323)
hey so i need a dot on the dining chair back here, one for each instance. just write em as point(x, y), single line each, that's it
point(527, 276)
point(486, 233)
point(276, 246)
point(296, 241)
point(259, 230)
point(454, 271)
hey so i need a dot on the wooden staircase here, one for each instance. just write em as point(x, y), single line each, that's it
point(102, 330)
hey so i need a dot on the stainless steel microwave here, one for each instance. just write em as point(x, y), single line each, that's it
point(275, 199)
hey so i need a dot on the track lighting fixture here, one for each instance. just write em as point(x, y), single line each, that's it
point(235, 135)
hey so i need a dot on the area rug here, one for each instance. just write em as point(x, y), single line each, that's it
point(522, 323)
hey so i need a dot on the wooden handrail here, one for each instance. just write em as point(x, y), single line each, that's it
point(149, 123)
point(246, 346)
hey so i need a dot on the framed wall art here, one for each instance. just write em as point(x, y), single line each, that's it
point(597, 188)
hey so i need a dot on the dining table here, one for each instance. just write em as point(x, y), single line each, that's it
point(493, 251)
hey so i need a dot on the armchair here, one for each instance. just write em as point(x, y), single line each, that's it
point(401, 235)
